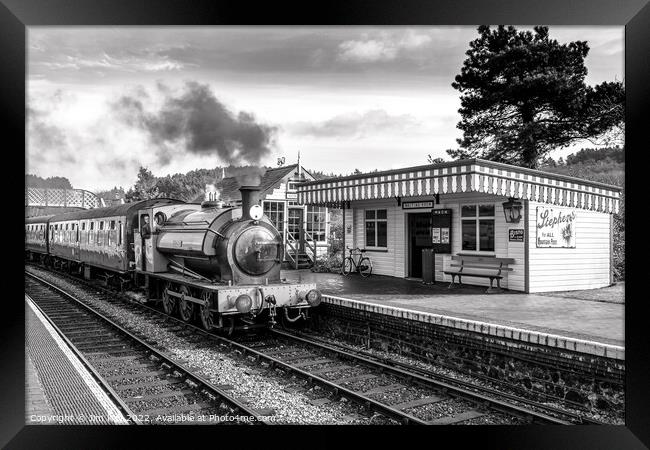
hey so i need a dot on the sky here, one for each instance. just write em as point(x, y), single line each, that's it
point(103, 101)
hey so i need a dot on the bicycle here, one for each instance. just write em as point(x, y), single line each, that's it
point(363, 266)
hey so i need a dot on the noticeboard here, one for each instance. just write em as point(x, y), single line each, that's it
point(441, 230)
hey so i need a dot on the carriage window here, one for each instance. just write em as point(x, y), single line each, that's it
point(92, 225)
point(83, 226)
point(119, 236)
point(101, 225)
point(112, 224)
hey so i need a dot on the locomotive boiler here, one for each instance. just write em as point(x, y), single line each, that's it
point(221, 243)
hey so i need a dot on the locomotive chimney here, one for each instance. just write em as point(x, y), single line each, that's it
point(250, 195)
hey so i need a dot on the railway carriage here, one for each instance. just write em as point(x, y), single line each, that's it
point(214, 262)
point(36, 235)
point(100, 238)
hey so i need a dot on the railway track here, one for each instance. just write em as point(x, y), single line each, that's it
point(398, 392)
point(402, 393)
point(146, 384)
point(446, 382)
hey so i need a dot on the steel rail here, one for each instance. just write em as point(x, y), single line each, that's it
point(512, 397)
point(402, 373)
point(408, 373)
point(274, 362)
point(174, 365)
point(129, 415)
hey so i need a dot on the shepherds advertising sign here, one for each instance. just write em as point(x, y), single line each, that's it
point(556, 227)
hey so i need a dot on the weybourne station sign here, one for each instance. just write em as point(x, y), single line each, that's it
point(556, 227)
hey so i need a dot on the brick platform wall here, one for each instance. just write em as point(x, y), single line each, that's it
point(570, 375)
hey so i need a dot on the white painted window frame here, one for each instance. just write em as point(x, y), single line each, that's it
point(477, 219)
point(375, 220)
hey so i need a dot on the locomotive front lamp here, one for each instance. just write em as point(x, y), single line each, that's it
point(512, 210)
point(256, 212)
point(314, 297)
point(244, 303)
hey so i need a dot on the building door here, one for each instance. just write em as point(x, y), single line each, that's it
point(419, 238)
point(295, 230)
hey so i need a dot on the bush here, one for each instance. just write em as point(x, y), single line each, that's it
point(331, 263)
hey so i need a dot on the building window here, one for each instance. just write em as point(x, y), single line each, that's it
point(316, 222)
point(291, 185)
point(275, 212)
point(376, 228)
point(477, 227)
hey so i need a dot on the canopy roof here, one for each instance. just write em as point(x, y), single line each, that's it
point(472, 175)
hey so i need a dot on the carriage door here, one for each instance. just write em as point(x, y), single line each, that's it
point(143, 241)
point(137, 242)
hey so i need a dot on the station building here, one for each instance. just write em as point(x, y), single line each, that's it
point(558, 229)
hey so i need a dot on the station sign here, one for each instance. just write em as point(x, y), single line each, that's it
point(414, 205)
point(516, 235)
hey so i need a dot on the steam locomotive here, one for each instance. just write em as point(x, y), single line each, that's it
point(214, 262)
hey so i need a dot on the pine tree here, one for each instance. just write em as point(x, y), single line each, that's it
point(524, 94)
point(145, 188)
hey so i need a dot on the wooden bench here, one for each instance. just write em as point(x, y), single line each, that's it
point(481, 267)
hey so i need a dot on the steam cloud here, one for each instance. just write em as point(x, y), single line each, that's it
point(204, 124)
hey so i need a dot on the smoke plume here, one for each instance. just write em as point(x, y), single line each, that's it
point(251, 177)
point(196, 119)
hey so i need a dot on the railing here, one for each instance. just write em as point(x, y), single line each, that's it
point(61, 198)
point(311, 246)
point(291, 243)
point(294, 247)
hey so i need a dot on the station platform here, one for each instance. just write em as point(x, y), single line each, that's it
point(59, 390)
point(591, 323)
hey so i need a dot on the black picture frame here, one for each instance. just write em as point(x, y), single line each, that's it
point(16, 15)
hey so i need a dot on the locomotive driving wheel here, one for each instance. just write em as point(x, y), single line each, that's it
point(185, 307)
point(207, 319)
point(167, 300)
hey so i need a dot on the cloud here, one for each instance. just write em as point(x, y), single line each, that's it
point(130, 63)
point(386, 47)
point(356, 125)
point(196, 120)
point(43, 133)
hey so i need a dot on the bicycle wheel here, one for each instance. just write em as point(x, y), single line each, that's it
point(365, 267)
point(347, 266)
